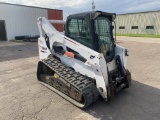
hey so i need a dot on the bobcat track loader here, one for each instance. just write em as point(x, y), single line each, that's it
point(84, 62)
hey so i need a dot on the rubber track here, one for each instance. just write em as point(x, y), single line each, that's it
point(80, 82)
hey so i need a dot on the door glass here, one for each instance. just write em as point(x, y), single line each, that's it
point(79, 31)
point(104, 33)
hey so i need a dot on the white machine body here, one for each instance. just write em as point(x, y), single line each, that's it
point(95, 68)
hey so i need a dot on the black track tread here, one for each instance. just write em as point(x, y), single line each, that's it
point(82, 83)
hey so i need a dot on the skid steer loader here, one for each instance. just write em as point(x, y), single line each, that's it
point(84, 62)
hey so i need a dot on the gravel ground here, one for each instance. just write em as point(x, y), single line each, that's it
point(23, 98)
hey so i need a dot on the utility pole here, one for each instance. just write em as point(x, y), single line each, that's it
point(93, 5)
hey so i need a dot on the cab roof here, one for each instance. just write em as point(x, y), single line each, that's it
point(92, 15)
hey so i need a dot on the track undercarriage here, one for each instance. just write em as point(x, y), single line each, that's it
point(75, 87)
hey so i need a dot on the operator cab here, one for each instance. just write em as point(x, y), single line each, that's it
point(98, 36)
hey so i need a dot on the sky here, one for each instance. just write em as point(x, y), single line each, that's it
point(76, 6)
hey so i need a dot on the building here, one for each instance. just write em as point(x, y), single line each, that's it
point(20, 20)
point(138, 23)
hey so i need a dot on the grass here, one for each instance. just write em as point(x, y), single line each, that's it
point(140, 35)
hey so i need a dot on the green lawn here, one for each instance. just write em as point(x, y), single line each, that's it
point(140, 35)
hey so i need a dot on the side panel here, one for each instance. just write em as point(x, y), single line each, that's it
point(121, 52)
point(44, 52)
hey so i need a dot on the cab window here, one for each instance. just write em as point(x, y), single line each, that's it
point(79, 31)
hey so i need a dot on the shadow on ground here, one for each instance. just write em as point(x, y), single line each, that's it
point(11, 50)
point(139, 102)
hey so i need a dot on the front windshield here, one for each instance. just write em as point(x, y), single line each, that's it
point(103, 30)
